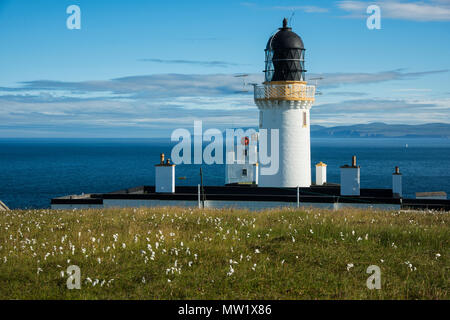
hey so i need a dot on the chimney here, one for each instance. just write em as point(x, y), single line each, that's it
point(397, 183)
point(354, 161)
point(164, 176)
point(350, 179)
point(321, 174)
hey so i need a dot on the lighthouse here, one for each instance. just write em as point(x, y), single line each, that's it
point(284, 101)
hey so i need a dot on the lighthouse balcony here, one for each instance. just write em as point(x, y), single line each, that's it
point(286, 91)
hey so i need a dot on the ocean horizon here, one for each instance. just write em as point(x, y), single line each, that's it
point(33, 171)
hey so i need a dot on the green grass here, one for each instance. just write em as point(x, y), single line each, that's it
point(276, 254)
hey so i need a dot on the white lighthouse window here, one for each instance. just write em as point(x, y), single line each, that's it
point(305, 120)
point(244, 172)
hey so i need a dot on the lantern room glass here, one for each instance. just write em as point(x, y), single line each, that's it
point(285, 65)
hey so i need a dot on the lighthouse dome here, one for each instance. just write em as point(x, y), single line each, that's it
point(284, 38)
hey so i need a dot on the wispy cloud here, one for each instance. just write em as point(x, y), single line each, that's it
point(142, 106)
point(178, 85)
point(412, 90)
point(147, 86)
point(221, 64)
point(304, 8)
point(331, 80)
point(346, 93)
point(416, 10)
point(408, 111)
point(156, 104)
point(307, 9)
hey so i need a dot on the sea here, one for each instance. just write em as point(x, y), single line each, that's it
point(33, 171)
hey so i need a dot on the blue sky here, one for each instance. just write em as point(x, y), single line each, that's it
point(143, 68)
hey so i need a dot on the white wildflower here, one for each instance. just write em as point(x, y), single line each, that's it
point(229, 273)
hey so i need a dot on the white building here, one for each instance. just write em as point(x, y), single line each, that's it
point(284, 101)
point(164, 176)
point(321, 174)
point(397, 188)
point(350, 179)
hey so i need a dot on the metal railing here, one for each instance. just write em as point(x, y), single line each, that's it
point(284, 91)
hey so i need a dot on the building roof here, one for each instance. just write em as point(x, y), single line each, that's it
point(321, 164)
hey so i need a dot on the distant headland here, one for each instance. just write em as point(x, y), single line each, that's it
point(383, 130)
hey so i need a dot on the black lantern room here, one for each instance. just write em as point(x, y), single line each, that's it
point(285, 56)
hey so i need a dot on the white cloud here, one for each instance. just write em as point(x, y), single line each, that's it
point(331, 80)
point(186, 85)
point(159, 85)
point(154, 105)
point(307, 9)
point(415, 11)
point(220, 64)
point(412, 90)
point(407, 111)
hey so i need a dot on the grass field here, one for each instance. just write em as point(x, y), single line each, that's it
point(176, 253)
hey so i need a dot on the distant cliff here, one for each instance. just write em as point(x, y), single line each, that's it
point(383, 130)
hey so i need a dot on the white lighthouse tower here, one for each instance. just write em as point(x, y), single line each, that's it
point(284, 101)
